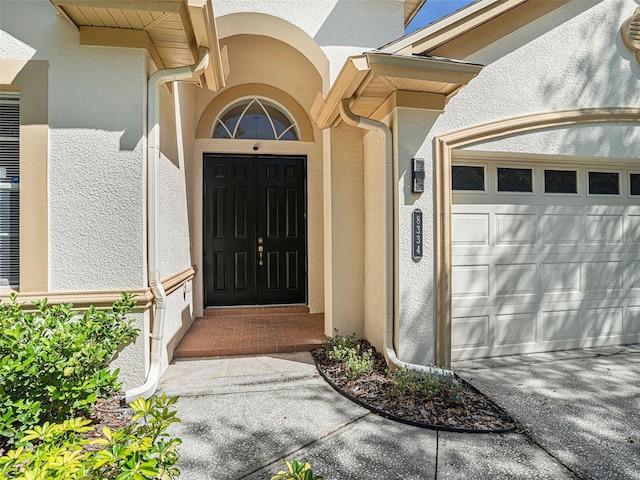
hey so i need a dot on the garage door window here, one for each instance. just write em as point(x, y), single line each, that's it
point(604, 183)
point(634, 184)
point(467, 178)
point(560, 181)
point(515, 180)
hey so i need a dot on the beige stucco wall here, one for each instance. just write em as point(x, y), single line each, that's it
point(416, 300)
point(177, 132)
point(344, 231)
point(374, 227)
point(85, 108)
point(338, 27)
point(30, 78)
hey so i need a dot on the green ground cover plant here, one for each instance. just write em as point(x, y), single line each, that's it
point(426, 384)
point(347, 349)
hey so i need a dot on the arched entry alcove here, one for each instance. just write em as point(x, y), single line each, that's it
point(273, 67)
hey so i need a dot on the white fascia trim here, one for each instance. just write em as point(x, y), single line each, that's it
point(435, 27)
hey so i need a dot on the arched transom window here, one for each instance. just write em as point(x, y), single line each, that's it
point(255, 118)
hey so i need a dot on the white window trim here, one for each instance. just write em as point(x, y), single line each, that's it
point(259, 100)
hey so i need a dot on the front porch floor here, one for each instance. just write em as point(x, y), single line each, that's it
point(252, 330)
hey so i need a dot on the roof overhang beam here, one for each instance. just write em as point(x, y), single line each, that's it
point(118, 37)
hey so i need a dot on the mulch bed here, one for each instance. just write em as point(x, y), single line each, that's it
point(475, 413)
point(107, 412)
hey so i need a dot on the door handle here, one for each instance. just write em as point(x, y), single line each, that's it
point(260, 250)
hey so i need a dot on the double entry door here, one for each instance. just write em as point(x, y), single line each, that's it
point(254, 230)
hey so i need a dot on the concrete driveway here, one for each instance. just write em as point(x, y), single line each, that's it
point(241, 415)
point(582, 407)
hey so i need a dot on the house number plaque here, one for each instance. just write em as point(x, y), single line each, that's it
point(417, 235)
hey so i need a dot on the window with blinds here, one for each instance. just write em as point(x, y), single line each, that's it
point(9, 189)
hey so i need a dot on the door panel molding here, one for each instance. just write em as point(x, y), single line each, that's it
point(246, 198)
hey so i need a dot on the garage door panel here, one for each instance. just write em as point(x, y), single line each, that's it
point(470, 281)
point(561, 277)
point(470, 229)
point(516, 279)
point(632, 230)
point(516, 329)
point(470, 332)
point(603, 322)
point(605, 229)
point(633, 276)
point(561, 229)
point(516, 229)
point(604, 276)
point(561, 325)
point(632, 321)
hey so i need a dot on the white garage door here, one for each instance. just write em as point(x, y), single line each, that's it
point(546, 256)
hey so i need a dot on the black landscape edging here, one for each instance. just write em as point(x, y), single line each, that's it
point(396, 418)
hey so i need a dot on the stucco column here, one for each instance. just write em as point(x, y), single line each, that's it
point(344, 230)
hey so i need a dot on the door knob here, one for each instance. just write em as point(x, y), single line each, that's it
point(260, 250)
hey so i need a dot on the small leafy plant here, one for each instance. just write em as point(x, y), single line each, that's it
point(296, 471)
point(141, 451)
point(339, 347)
point(412, 382)
point(54, 362)
point(348, 350)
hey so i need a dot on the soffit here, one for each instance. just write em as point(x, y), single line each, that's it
point(164, 27)
point(377, 82)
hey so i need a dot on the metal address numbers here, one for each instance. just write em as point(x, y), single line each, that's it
point(417, 235)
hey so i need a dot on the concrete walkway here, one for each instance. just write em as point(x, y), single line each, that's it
point(241, 415)
point(581, 406)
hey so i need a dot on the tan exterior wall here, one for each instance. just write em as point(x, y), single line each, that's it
point(177, 131)
point(31, 79)
point(374, 240)
point(344, 226)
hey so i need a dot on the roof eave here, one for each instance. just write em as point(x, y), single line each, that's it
point(462, 20)
point(411, 8)
point(197, 28)
point(359, 71)
point(204, 23)
point(472, 28)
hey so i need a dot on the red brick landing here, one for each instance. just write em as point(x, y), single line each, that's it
point(252, 330)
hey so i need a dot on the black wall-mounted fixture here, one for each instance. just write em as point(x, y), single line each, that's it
point(417, 175)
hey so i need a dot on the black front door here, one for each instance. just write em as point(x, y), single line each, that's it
point(254, 230)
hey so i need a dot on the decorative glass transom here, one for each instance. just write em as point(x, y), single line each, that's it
point(255, 118)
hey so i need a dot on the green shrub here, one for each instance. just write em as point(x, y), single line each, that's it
point(140, 451)
point(340, 347)
point(416, 382)
point(358, 363)
point(296, 471)
point(54, 362)
point(348, 350)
